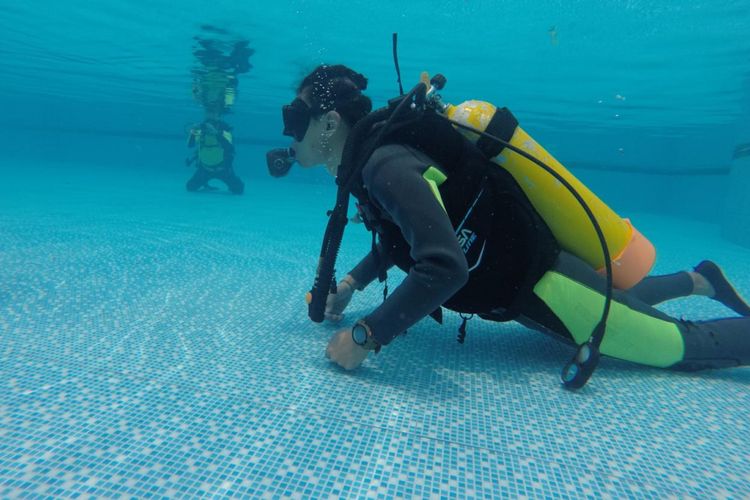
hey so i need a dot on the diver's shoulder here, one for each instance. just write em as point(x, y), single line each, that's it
point(396, 154)
point(392, 160)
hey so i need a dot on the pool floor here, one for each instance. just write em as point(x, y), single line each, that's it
point(155, 343)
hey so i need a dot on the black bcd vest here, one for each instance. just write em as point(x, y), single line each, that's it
point(507, 245)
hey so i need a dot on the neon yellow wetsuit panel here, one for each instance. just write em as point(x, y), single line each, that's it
point(630, 335)
point(435, 178)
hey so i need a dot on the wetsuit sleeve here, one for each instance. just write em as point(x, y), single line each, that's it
point(393, 177)
point(367, 270)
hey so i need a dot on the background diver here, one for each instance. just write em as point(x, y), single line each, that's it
point(215, 81)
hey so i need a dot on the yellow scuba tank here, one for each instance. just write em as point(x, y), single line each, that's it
point(632, 254)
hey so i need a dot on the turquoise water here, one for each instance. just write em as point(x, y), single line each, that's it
point(154, 342)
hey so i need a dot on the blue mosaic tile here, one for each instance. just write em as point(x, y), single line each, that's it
point(167, 353)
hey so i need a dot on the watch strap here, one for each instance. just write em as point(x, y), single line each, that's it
point(370, 344)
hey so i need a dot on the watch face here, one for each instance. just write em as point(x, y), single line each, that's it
point(359, 334)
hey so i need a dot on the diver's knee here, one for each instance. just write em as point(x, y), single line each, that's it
point(237, 187)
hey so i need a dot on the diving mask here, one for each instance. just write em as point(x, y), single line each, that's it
point(296, 119)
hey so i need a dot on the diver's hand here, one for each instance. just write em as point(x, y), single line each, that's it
point(337, 302)
point(344, 352)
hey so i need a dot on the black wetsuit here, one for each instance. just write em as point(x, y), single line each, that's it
point(438, 272)
point(202, 175)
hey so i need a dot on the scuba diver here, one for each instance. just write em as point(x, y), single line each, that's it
point(213, 157)
point(215, 88)
point(469, 237)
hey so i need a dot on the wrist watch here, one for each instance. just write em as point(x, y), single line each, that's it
point(362, 336)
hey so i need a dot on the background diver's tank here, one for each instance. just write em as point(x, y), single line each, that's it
point(632, 254)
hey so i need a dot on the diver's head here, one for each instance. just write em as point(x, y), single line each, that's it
point(329, 102)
